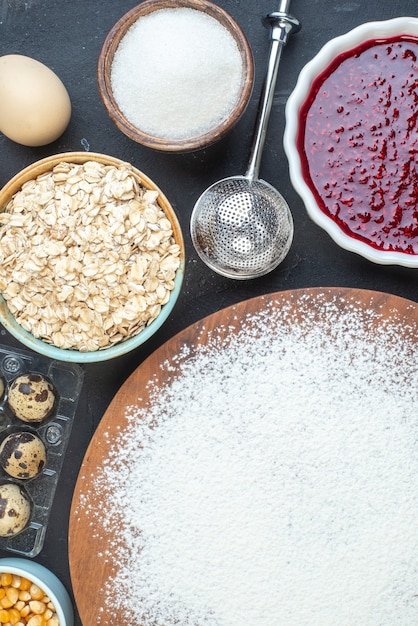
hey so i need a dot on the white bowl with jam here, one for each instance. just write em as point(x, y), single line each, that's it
point(351, 140)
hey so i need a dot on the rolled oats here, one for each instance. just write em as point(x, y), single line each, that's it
point(87, 256)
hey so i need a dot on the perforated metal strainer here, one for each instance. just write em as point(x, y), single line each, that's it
point(241, 226)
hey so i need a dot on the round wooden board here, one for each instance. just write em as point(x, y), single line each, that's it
point(89, 572)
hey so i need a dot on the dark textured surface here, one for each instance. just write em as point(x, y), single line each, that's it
point(67, 35)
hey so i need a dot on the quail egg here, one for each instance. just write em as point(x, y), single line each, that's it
point(15, 509)
point(31, 397)
point(22, 455)
point(1, 388)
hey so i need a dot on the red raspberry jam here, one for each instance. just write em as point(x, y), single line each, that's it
point(359, 143)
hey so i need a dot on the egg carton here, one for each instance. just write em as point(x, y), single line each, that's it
point(54, 432)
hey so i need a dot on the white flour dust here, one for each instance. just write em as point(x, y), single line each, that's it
point(273, 481)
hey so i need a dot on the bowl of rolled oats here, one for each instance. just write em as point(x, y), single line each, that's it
point(91, 257)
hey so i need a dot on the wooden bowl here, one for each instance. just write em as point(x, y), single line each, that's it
point(110, 47)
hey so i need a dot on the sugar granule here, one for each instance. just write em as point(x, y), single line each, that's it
point(273, 479)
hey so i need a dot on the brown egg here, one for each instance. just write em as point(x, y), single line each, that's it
point(31, 397)
point(22, 455)
point(35, 107)
point(15, 509)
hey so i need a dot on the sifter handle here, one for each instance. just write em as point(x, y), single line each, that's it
point(282, 25)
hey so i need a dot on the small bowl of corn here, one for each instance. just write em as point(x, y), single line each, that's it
point(32, 595)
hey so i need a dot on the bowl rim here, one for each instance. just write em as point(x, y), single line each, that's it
point(110, 45)
point(6, 318)
point(52, 585)
point(367, 31)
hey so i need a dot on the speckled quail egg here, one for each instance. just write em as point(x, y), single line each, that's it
point(2, 388)
point(22, 455)
point(31, 397)
point(15, 509)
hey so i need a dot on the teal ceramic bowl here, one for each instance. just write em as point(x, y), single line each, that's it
point(8, 321)
point(47, 581)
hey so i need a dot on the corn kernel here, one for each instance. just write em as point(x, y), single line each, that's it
point(5, 579)
point(36, 620)
point(16, 580)
point(25, 584)
point(12, 594)
point(14, 616)
point(53, 622)
point(37, 607)
point(25, 611)
point(5, 603)
point(2, 592)
point(36, 592)
point(4, 616)
point(24, 596)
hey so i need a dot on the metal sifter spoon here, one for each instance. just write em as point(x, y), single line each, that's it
point(241, 226)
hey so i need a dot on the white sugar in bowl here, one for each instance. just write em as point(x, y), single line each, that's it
point(175, 75)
